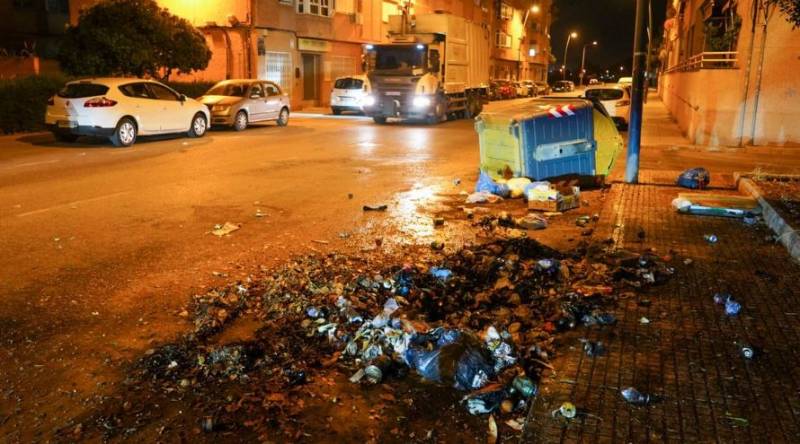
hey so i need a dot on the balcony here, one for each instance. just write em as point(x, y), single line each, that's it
point(708, 60)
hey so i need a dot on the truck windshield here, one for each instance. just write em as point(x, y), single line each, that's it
point(399, 57)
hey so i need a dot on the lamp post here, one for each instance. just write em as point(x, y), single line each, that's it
point(533, 9)
point(572, 35)
point(583, 60)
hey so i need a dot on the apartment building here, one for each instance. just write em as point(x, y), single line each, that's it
point(729, 72)
point(521, 49)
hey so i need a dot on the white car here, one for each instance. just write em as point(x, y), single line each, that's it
point(237, 103)
point(347, 93)
point(122, 109)
point(625, 81)
point(616, 100)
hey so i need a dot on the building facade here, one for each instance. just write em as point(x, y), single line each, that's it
point(729, 72)
point(304, 45)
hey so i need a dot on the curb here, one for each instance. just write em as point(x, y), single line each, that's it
point(787, 235)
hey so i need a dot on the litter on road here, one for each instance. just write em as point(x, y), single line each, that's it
point(225, 229)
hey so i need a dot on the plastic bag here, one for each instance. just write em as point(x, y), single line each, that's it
point(695, 178)
point(517, 186)
point(458, 359)
point(487, 184)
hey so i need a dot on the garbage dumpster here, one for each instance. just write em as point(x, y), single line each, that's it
point(543, 138)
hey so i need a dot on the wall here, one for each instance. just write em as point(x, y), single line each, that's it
point(710, 105)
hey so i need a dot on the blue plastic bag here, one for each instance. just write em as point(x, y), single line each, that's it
point(458, 360)
point(487, 184)
point(695, 178)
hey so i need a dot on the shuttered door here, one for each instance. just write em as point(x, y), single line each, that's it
point(279, 70)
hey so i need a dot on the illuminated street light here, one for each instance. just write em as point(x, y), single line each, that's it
point(531, 52)
point(572, 35)
point(583, 60)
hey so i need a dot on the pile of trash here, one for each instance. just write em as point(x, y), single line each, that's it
point(481, 320)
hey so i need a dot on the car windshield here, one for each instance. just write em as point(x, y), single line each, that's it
point(605, 94)
point(228, 89)
point(399, 57)
point(81, 90)
point(349, 83)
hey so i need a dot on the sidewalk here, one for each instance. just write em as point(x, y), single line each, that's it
point(688, 353)
point(666, 152)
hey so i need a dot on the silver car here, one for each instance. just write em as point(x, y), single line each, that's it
point(240, 102)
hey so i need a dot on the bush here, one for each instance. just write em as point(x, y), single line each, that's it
point(191, 89)
point(25, 101)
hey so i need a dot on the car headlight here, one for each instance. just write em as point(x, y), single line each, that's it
point(368, 100)
point(421, 102)
point(223, 109)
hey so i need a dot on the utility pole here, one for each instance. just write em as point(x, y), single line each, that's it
point(583, 61)
point(572, 35)
point(635, 126)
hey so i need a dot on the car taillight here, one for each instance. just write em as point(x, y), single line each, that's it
point(99, 102)
point(51, 101)
point(623, 103)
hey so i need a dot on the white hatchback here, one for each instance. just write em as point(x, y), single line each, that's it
point(122, 109)
point(615, 99)
point(347, 94)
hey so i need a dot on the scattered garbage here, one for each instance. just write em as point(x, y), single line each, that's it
point(732, 308)
point(637, 398)
point(531, 222)
point(438, 221)
point(375, 207)
point(487, 184)
point(225, 229)
point(749, 352)
point(711, 238)
point(582, 221)
point(683, 205)
point(517, 186)
point(566, 410)
point(694, 178)
point(544, 196)
point(483, 197)
point(644, 321)
point(592, 348)
point(442, 274)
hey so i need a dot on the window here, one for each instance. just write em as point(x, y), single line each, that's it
point(349, 83)
point(389, 8)
point(346, 6)
point(256, 90)
point(272, 90)
point(136, 90)
point(279, 69)
point(342, 66)
point(286, 2)
point(506, 11)
point(81, 90)
point(502, 40)
point(160, 92)
point(322, 8)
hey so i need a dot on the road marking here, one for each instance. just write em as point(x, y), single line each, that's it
point(22, 165)
point(69, 204)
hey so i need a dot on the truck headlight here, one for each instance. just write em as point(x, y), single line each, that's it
point(421, 102)
point(368, 100)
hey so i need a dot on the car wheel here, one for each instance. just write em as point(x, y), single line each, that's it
point(438, 114)
point(240, 121)
point(65, 137)
point(380, 120)
point(199, 126)
point(125, 133)
point(283, 117)
point(336, 111)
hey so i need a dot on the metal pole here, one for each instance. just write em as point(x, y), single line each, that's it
point(583, 60)
point(635, 125)
point(566, 47)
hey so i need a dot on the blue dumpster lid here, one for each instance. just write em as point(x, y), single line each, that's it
point(555, 107)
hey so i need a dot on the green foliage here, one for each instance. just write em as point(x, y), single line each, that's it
point(132, 37)
point(722, 35)
point(25, 100)
point(790, 8)
point(191, 89)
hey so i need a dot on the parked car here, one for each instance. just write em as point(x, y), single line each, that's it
point(122, 109)
point(347, 93)
point(520, 90)
point(239, 102)
point(530, 88)
point(504, 89)
point(615, 99)
point(594, 82)
point(542, 88)
point(563, 86)
point(627, 81)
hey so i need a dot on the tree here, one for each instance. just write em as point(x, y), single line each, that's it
point(791, 8)
point(132, 37)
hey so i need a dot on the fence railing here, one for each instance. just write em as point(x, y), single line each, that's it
point(708, 60)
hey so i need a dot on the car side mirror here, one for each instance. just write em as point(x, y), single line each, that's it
point(182, 97)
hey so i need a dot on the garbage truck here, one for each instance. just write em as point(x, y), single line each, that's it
point(435, 67)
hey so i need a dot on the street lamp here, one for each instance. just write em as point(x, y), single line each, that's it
point(583, 60)
point(572, 35)
point(533, 9)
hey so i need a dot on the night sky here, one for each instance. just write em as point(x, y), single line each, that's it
point(610, 22)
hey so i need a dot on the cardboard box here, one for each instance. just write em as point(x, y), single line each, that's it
point(554, 200)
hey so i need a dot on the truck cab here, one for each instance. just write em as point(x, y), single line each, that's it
point(425, 72)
